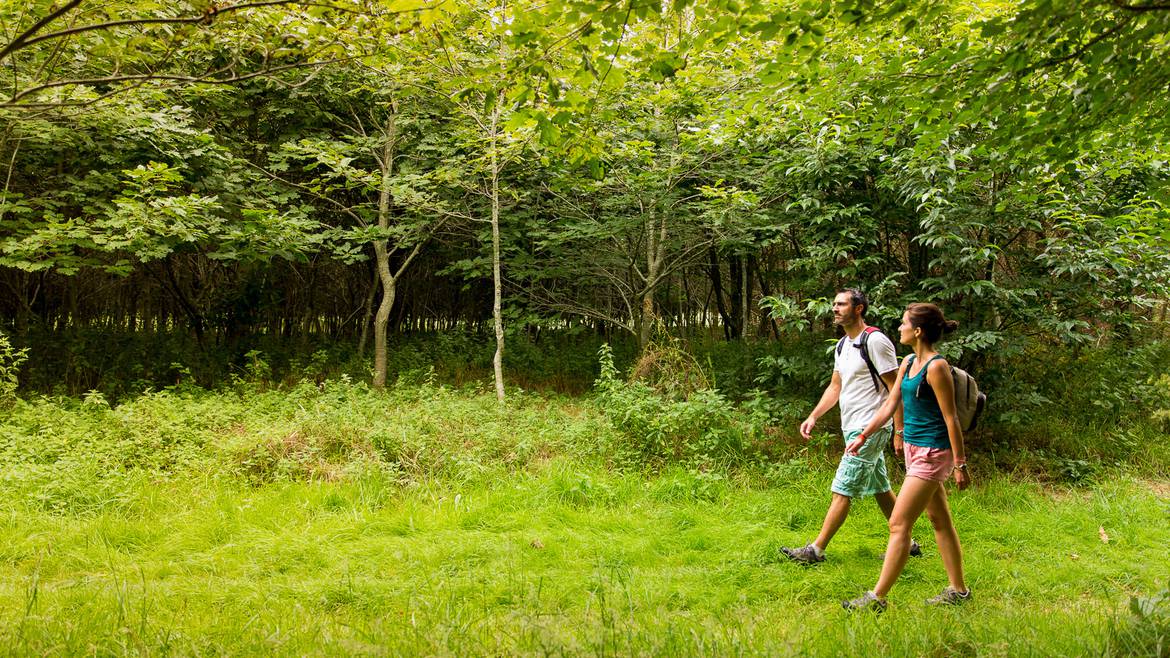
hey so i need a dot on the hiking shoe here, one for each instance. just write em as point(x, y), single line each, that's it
point(806, 555)
point(868, 601)
point(950, 596)
point(915, 550)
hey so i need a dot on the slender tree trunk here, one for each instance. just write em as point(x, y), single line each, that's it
point(382, 251)
point(735, 286)
point(135, 294)
point(368, 308)
point(767, 292)
point(497, 284)
point(747, 295)
point(716, 275)
point(647, 322)
point(655, 237)
point(188, 307)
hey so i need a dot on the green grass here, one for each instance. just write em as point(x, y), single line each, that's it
point(427, 521)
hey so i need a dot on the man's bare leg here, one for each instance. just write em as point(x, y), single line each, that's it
point(834, 519)
point(886, 500)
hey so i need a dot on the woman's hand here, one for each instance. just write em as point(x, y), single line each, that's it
point(854, 446)
point(962, 478)
point(899, 445)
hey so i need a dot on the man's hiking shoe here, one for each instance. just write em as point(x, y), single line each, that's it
point(806, 555)
point(950, 596)
point(915, 550)
point(868, 601)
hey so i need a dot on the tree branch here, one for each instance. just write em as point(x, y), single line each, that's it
point(1083, 48)
point(140, 78)
point(1140, 8)
point(22, 40)
point(204, 18)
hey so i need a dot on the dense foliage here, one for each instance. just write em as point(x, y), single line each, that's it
point(181, 201)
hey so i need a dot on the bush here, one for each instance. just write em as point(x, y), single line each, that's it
point(1085, 386)
point(125, 364)
point(11, 359)
point(1145, 631)
point(1160, 392)
point(700, 427)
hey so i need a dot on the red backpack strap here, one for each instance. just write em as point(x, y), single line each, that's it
point(879, 384)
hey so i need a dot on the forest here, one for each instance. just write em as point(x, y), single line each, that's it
point(450, 327)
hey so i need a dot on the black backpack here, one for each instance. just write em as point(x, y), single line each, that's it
point(879, 384)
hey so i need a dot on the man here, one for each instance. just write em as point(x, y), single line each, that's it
point(860, 390)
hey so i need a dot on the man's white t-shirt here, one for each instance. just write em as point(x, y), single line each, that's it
point(859, 399)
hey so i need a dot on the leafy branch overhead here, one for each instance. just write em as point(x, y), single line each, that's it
point(81, 52)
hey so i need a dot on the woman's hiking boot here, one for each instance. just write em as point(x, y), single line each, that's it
point(806, 555)
point(868, 601)
point(950, 596)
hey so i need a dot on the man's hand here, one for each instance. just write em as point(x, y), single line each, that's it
point(962, 479)
point(806, 427)
point(854, 446)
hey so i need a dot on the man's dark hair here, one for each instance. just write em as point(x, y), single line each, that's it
point(857, 297)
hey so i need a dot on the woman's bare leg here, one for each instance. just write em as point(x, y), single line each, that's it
point(916, 493)
point(947, 539)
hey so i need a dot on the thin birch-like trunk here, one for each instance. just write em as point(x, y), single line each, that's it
point(497, 307)
point(368, 309)
point(382, 251)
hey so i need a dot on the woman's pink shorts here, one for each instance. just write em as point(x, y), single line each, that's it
point(933, 464)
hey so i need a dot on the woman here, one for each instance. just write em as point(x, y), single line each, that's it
point(933, 446)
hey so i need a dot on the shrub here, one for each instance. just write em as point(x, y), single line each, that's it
point(670, 370)
point(1160, 394)
point(701, 426)
point(569, 486)
point(1145, 631)
point(11, 359)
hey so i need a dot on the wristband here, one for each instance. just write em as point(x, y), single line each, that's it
point(863, 437)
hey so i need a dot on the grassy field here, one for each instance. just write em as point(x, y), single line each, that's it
point(346, 523)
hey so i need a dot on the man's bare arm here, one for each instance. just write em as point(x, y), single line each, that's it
point(828, 399)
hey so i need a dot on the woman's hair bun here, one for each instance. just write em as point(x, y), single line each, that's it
point(929, 318)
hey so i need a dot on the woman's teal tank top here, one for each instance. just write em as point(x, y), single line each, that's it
point(922, 418)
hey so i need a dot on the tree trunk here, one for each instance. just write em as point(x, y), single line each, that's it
point(735, 274)
point(193, 314)
point(647, 322)
point(655, 238)
point(382, 251)
point(747, 295)
point(716, 276)
point(767, 292)
point(368, 308)
point(497, 283)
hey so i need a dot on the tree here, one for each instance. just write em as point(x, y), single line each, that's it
point(77, 53)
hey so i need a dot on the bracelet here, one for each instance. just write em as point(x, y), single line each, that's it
point(863, 437)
